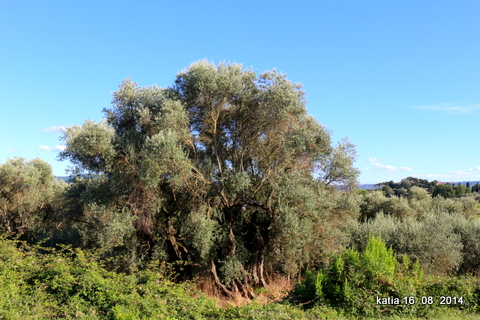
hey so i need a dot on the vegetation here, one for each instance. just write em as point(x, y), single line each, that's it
point(36, 283)
point(224, 170)
point(374, 282)
point(29, 198)
point(223, 179)
point(435, 188)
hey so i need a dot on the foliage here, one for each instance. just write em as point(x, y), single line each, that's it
point(375, 202)
point(337, 167)
point(224, 170)
point(476, 187)
point(445, 190)
point(30, 198)
point(72, 284)
point(451, 190)
point(224, 175)
point(468, 231)
point(444, 243)
point(88, 147)
point(418, 204)
point(354, 282)
point(403, 188)
point(437, 189)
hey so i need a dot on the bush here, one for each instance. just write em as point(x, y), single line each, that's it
point(29, 198)
point(353, 283)
point(72, 283)
point(461, 292)
point(469, 233)
point(419, 205)
point(433, 241)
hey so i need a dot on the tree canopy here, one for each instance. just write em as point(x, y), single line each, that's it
point(28, 194)
point(224, 170)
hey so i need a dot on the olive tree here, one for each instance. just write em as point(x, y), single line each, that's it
point(29, 198)
point(223, 170)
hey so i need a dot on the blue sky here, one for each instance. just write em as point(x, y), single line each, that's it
point(400, 79)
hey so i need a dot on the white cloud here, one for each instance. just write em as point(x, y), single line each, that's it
point(469, 172)
point(376, 163)
point(457, 175)
point(53, 129)
point(48, 148)
point(450, 108)
point(10, 149)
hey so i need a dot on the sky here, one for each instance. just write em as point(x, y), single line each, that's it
point(400, 79)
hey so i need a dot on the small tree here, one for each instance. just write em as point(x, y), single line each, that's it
point(444, 190)
point(28, 198)
point(476, 188)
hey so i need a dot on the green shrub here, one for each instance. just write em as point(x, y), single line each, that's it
point(36, 283)
point(353, 281)
point(469, 232)
point(305, 292)
point(39, 283)
point(457, 293)
point(418, 205)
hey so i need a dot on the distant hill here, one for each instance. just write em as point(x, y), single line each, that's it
point(65, 178)
point(367, 186)
point(472, 183)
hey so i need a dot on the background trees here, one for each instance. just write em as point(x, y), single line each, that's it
point(224, 170)
point(29, 195)
point(445, 190)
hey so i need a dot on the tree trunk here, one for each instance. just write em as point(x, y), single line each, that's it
point(261, 269)
point(244, 289)
point(222, 288)
point(258, 269)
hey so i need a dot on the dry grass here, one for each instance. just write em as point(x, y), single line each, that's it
point(278, 288)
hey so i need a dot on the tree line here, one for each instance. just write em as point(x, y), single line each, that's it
point(435, 188)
